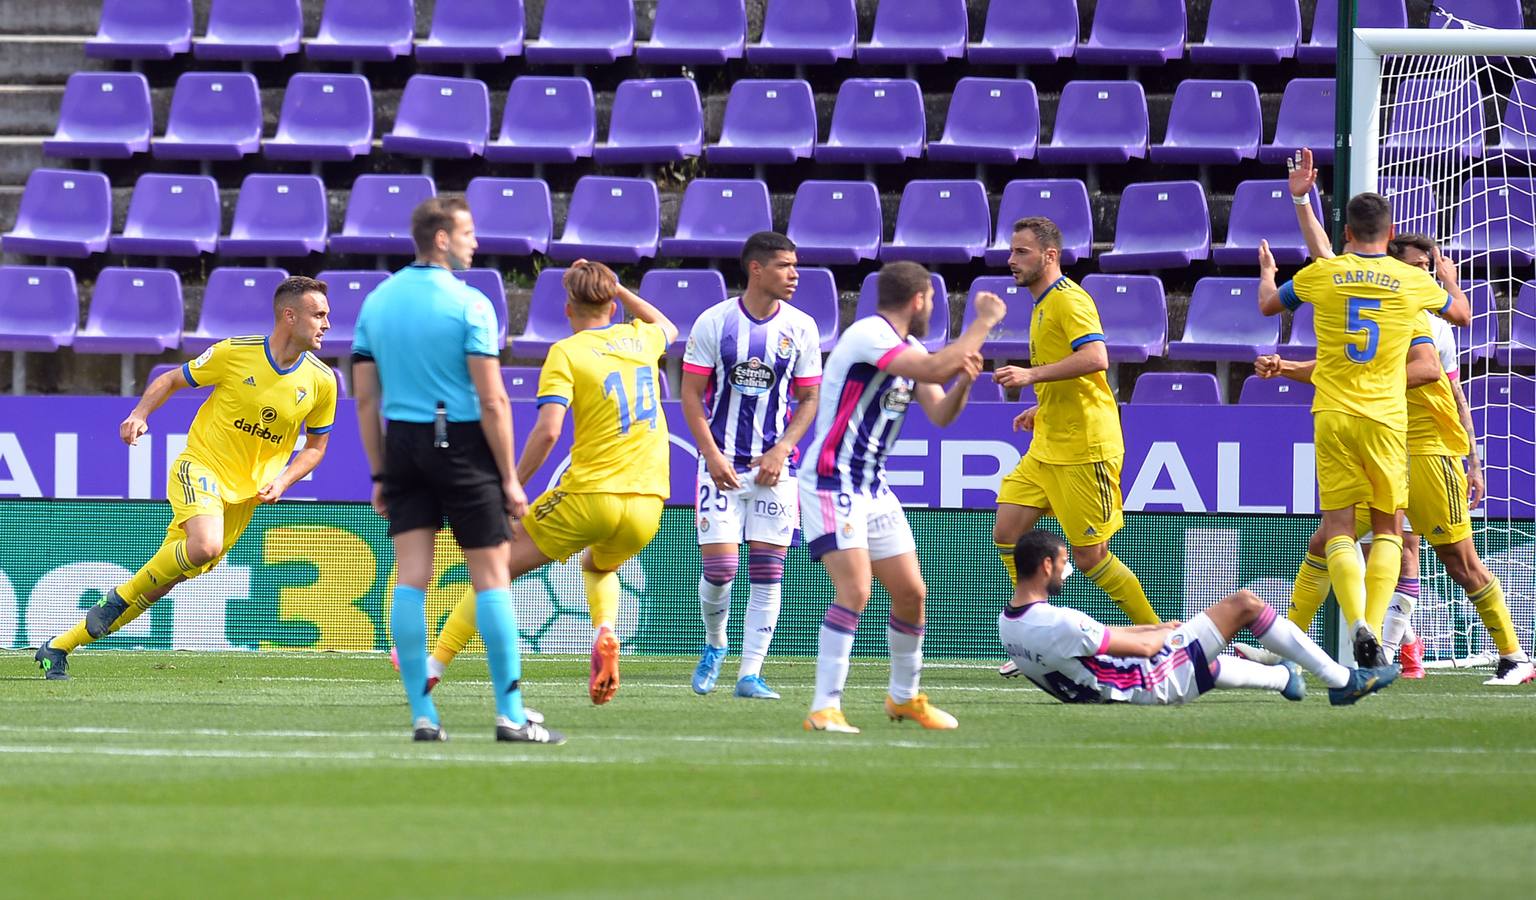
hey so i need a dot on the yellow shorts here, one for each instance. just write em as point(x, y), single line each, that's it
point(194, 491)
point(1437, 501)
point(1084, 498)
point(1359, 462)
point(615, 526)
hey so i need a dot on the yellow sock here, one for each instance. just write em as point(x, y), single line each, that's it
point(169, 562)
point(1310, 591)
point(602, 596)
point(1121, 584)
point(1381, 571)
point(1005, 553)
point(1491, 608)
point(1347, 577)
point(73, 638)
point(457, 631)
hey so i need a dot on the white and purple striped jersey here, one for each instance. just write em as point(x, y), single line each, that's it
point(862, 408)
point(752, 364)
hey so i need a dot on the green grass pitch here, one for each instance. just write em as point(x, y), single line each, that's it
point(231, 775)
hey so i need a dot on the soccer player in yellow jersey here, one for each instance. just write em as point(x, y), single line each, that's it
point(265, 389)
point(608, 503)
point(1072, 468)
point(1367, 307)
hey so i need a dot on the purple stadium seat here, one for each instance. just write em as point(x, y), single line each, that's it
point(522, 381)
point(916, 31)
point(1263, 210)
point(1098, 121)
point(39, 308)
point(1134, 313)
point(546, 316)
point(1302, 343)
point(324, 118)
point(1212, 122)
point(1429, 115)
point(1482, 338)
point(1224, 323)
point(766, 122)
point(512, 215)
point(836, 223)
point(214, 115)
point(1517, 125)
point(1517, 391)
point(1135, 33)
point(473, 31)
point(1249, 31)
point(364, 30)
point(1521, 350)
point(142, 29)
point(133, 311)
point(939, 222)
point(1322, 47)
point(1047, 35)
point(379, 214)
point(489, 283)
point(695, 33)
point(346, 290)
point(251, 30)
point(875, 120)
point(1062, 200)
point(985, 389)
point(938, 322)
point(655, 120)
point(1305, 120)
point(64, 212)
point(1176, 387)
point(235, 302)
point(104, 115)
point(816, 294)
point(445, 118)
point(1275, 392)
point(717, 216)
point(1010, 339)
point(683, 294)
point(1494, 222)
point(615, 220)
point(991, 120)
point(1161, 225)
point(577, 32)
point(1488, 13)
point(170, 215)
point(1413, 203)
point(278, 215)
point(546, 119)
point(806, 33)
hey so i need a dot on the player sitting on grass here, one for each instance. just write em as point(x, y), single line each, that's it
point(1077, 659)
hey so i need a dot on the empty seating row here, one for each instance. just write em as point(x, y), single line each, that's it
point(797, 32)
point(68, 213)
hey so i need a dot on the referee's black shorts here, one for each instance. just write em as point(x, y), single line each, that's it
point(424, 484)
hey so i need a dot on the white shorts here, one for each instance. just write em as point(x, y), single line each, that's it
point(752, 512)
point(841, 520)
point(1181, 671)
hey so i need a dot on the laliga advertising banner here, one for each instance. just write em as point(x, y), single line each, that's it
point(315, 571)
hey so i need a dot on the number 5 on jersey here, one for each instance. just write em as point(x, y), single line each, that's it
point(645, 397)
point(1358, 305)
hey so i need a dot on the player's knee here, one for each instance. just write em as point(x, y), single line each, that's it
point(1087, 558)
point(1247, 602)
point(202, 551)
point(1318, 544)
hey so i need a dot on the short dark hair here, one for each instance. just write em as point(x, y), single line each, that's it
point(1033, 548)
point(899, 282)
point(293, 288)
point(434, 214)
point(1411, 240)
point(1369, 216)
point(1047, 235)
point(762, 246)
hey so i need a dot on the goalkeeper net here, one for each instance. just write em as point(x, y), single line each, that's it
point(1452, 142)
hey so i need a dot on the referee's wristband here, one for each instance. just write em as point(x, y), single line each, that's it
point(1303, 200)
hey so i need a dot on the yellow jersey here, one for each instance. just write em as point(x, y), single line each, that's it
point(608, 378)
point(1078, 421)
point(246, 430)
point(1366, 309)
point(1434, 419)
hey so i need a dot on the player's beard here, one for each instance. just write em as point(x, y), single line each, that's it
point(1054, 587)
point(918, 325)
point(1027, 276)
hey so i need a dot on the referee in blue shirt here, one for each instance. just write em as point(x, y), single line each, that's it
point(425, 356)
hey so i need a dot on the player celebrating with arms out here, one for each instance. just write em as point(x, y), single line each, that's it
point(237, 455)
point(852, 521)
point(743, 356)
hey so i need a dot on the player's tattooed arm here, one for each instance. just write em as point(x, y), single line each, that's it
point(1477, 487)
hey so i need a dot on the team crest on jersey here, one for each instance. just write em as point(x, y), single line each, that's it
point(703, 524)
point(300, 395)
point(1177, 640)
point(753, 377)
point(847, 529)
point(896, 401)
point(688, 348)
point(786, 346)
point(203, 359)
